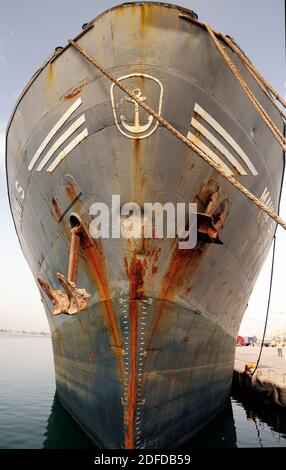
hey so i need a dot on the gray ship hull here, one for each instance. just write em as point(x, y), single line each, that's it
point(149, 361)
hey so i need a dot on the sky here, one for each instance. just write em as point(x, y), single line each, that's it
point(29, 32)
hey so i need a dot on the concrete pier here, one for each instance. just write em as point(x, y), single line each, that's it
point(269, 380)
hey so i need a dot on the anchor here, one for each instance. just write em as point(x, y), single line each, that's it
point(212, 220)
point(73, 300)
point(137, 128)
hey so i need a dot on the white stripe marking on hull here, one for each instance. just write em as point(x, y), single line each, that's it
point(213, 140)
point(212, 122)
point(67, 150)
point(195, 140)
point(53, 131)
point(61, 140)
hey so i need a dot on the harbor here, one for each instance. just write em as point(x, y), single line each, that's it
point(268, 381)
point(39, 421)
point(145, 190)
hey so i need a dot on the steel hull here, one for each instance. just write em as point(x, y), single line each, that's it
point(150, 360)
point(187, 376)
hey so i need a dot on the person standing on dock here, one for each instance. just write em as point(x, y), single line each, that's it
point(280, 349)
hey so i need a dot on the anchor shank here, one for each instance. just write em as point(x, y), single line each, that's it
point(74, 255)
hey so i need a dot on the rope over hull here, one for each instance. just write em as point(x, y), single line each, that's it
point(144, 335)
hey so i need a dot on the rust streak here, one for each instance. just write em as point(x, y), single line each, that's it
point(182, 266)
point(135, 273)
point(74, 92)
point(92, 356)
point(142, 18)
point(71, 192)
point(56, 207)
point(139, 177)
point(154, 269)
point(50, 77)
point(94, 257)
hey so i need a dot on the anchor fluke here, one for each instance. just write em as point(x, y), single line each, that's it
point(73, 300)
point(78, 298)
point(58, 298)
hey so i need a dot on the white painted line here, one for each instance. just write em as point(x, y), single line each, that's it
point(53, 131)
point(268, 202)
point(267, 199)
point(61, 140)
point(213, 140)
point(17, 210)
point(67, 150)
point(265, 194)
point(209, 152)
point(210, 120)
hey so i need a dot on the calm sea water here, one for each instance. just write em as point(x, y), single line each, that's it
point(31, 416)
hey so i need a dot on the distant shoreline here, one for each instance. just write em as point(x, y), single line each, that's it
point(24, 333)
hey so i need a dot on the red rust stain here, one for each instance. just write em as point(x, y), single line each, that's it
point(92, 356)
point(146, 12)
point(94, 257)
point(139, 177)
point(71, 192)
point(182, 266)
point(142, 18)
point(155, 258)
point(74, 92)
point(50, 77)
point(135, 273)
point(154, 269)
point(56, 207)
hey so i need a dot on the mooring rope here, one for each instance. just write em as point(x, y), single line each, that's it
point(232, 44)
point(268, 305)
point(260, 80)
point(272, 214)
point(268, 121)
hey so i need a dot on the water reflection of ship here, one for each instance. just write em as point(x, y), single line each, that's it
point(62, 432)
point(219, 433)
point(261, 414)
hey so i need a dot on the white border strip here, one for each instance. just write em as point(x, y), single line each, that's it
point(61, 140)
point(210, 120)
point(53, 131)
point(213, 140)
point(67, 150)
point(195, 140)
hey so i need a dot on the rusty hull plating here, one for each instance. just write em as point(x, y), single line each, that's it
point(144, 348)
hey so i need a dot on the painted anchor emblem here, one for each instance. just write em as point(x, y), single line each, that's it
point(153, 88)
point(137, 128)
